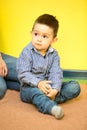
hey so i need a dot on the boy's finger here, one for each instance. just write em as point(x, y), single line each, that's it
point(49, 81)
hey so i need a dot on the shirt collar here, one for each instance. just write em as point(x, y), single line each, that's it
point(50, 50)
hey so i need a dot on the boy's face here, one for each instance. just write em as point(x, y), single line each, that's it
point(42, 37)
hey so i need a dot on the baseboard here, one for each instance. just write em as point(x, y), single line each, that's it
point(75, 74)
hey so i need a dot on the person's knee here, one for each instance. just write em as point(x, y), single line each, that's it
point(3, 87)
point(75, 88)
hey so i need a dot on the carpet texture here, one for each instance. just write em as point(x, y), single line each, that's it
point(16, 115)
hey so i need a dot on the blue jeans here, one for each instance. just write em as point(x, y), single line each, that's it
point(11, 80)
point(33, 95)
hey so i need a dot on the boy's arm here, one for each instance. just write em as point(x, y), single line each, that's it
point(24, 70)
point(55, 73)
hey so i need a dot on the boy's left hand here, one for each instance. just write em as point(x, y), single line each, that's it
point(52, 94)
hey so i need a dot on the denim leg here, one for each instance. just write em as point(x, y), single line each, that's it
point(69, 90)
point(38, 98)
point(11, 78)
point(13, 85)
point(3, 87)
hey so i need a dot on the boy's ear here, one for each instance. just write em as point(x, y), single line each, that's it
point(30, 32)
point(55, 39)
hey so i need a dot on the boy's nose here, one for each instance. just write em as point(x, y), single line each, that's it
point(39, 38)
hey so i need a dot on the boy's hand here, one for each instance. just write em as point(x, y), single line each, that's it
point(52, 93)
point(44, 86)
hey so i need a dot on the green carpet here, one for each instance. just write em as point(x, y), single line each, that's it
point(81, 81)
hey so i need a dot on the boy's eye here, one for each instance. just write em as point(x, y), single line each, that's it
point(35, 34)
point(44, 36)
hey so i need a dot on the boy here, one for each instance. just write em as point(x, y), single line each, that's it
point(39, 70)
point(8, 74)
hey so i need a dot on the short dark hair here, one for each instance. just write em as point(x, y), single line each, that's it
point(48, 20)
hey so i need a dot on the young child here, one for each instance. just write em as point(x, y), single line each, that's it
point(39, 70)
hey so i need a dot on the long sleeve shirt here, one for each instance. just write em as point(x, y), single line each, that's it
point(32, 67)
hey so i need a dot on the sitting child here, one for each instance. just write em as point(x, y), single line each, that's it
point(39, 71)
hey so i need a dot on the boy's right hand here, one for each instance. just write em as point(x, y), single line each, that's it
point(44, 86)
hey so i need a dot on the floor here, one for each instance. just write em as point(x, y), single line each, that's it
point(16, 115)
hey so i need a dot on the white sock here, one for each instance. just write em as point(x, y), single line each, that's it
point(57, 112)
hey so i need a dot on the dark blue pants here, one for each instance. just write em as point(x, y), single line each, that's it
point(33, 95)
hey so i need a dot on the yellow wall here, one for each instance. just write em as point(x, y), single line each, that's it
point(17, 17)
